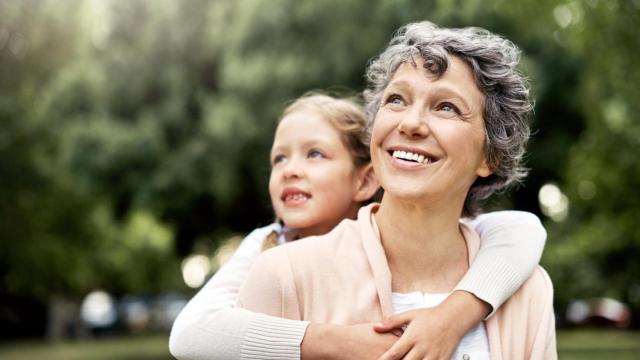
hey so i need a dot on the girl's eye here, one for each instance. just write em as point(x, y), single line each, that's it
point(315, 154)
point(278, 159)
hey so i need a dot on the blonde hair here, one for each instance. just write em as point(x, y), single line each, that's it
point(345, 115)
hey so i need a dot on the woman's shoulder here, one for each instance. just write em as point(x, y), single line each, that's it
point(527, 319)
point(314, 251)
point(535, 296)
point(345, 238)
point(345, 233)
point(539, 284)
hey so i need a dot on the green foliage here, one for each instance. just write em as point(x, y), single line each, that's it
point(134, 132)
point(599, 246)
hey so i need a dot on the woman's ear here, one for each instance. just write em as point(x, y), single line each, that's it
point(484, 169)
point(367, 184)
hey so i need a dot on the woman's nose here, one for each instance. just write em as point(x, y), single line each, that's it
point(414, 124)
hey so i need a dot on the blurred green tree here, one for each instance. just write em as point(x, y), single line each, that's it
point(133, 133)
point(596, 250)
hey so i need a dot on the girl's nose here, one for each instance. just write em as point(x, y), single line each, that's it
point(414, 124)
point(292, 169)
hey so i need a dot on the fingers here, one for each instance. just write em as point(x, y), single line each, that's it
point(392, 322)
point(398, 350)
point(415, 354)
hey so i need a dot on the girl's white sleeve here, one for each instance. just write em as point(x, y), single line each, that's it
point(511, 244)
point(211, 327)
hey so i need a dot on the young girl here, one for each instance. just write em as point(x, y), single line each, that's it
point(321, 174)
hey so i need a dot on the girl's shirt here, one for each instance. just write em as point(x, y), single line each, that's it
point(211, 327)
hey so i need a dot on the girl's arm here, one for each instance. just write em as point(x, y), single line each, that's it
point(268, 290)
point(210, 327)
point(511, 244)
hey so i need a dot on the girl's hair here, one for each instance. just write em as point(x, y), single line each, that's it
point(493, 61)
point(345, 115)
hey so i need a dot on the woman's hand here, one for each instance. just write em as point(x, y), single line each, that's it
point(337, 342)
point(434, 333)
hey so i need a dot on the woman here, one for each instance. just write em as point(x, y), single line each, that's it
point(449, 128)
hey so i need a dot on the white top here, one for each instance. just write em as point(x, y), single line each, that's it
point(474, 344)
point(210, 327)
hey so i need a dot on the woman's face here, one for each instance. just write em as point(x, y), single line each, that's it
point(428, 137)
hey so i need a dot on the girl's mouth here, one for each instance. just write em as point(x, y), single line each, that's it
point(294, 196)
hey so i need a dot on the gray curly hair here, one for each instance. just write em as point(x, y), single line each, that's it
point(493, 61)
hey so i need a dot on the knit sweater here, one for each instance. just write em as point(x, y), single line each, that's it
point(210, 326)
point(343, 278)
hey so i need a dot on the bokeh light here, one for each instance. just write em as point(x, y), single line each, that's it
point(553, 202)
point(195, 269)
point(98, 309)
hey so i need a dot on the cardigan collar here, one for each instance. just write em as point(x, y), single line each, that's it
point(378, 260)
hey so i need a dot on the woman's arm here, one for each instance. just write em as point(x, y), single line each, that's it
point(511, 246)
point(542, 317)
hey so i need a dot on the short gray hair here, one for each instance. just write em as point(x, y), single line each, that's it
point(493, 61)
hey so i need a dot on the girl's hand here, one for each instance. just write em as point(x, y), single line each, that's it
point(426, 336)
point(337, 342)
point(434, 333)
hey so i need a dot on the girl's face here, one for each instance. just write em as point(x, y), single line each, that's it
point(428, 137)
point(313, 183)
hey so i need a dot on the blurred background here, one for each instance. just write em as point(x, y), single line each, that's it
point(134, 141)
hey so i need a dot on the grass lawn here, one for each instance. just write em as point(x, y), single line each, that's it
point(573, 344)
point(150, 347)
point(598, 344)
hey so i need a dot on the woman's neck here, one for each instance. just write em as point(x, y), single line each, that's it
point(423, 244)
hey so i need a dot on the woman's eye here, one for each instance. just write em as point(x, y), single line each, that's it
point(278, 159)
point(315, 154)
point(394, 99)
point(449, 107)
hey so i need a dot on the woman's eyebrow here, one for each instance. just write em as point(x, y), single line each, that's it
point(448, 92)
point(439, 91)
point(399, 85)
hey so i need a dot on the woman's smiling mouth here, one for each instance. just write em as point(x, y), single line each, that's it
point(416, 157)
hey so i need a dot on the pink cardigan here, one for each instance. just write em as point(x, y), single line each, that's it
point(343, 278)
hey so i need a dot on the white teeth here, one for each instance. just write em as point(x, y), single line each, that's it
point(406, 155)
point(294, 197)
